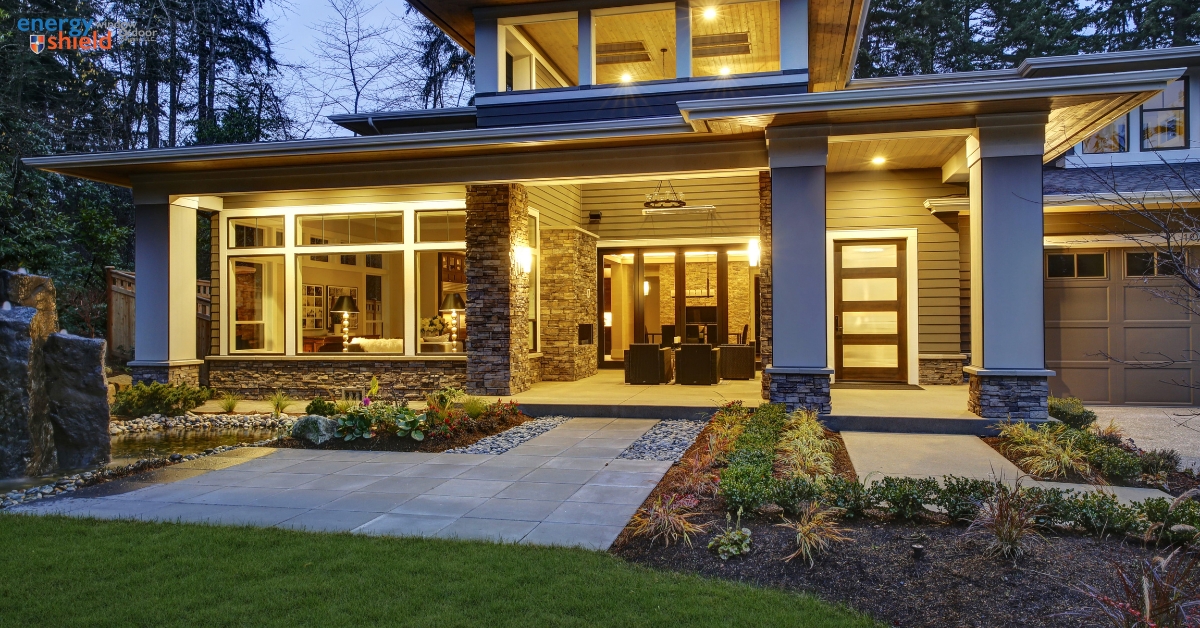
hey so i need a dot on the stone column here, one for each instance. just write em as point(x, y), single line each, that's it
point(497, 318)
point(568, 301)
point(799, 371)
point(165, 263)
point(764, 276)
point(1008, 376)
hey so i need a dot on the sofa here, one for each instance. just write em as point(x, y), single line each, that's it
point(377, 345)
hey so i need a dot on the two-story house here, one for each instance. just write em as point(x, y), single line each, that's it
point(685, 173)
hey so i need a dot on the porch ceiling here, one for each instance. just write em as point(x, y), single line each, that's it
point(899, 153)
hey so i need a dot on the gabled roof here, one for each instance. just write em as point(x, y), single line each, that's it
point(1108, 179)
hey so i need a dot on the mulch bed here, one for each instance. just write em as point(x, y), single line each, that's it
point(390, 442)
point(1177, 482)
point(954, 584)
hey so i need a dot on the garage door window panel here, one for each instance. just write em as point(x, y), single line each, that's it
point(1076, 265)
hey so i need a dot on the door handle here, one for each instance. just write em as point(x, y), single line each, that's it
point(837, 323)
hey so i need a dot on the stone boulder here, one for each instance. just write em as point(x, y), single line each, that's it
point(77, 396)
point(26, 434)
point(31, 291)
point(314, 428)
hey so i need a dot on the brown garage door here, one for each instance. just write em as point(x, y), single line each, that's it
point(1096, 305)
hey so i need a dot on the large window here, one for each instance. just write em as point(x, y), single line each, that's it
point(1164, 118)
point(441, 299)
point(540, 53)
point(1113, 138)
point(736, 38)
point(375, 284)
point(257, 285)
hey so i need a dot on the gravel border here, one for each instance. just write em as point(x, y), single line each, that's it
point(190, 421)
point(506, 440)
point(667, 441)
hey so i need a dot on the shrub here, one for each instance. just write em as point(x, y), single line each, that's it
point(961, 498)
point(320, 407)
point(803, 446)
point(696, 476)
point(474, 406)
point(795, 493)
point(746, 487)
point(1175, 521)
point(1114, 463)
point(1008, 521)
point(1161, 592)
point(850, 496)
point(499, 414)
point(143, 399)
point(357, 423)
point(667, 520)
point(1058, 506)
point(1160, 461)
point(904, 498)
point(1112, 434)
point(279, 402)
point(747, 482)
point(734, 540)
point(1099, 512)
point(1048, 450)
point(816, 531)
point(1070, 410)
point(229, 402)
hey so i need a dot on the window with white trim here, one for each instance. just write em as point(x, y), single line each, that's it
point(1164, 118)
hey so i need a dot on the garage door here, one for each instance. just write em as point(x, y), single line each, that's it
point(1097, 306)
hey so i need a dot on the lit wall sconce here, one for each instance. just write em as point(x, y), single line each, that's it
point(753, 252)
point(646, 288)
point(524, 256)
point(608, 319)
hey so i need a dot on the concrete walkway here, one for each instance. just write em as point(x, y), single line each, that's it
point(878, 455)
point(564, 487)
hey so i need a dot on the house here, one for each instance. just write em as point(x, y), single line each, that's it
point(632, 174)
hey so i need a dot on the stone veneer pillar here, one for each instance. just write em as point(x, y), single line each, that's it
point(497, 291)
point(568, 301)
point(764, 276)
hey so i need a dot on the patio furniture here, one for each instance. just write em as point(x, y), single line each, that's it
point(648, 363)
point(740, 339)
point(698, 365)
point(737, 362)
point(668, 336)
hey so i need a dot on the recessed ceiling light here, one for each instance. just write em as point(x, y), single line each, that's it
point(626, 77)
point(724, 71)
point(710, 13)
point(878, 161)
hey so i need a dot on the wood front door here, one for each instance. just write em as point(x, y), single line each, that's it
point(870, 311)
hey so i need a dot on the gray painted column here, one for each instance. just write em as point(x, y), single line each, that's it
point(489, 56)
point(165, 306)
point(683, 39)
point(1008, 361)
point(793, 49)
point(799, 373)
point(587, 48)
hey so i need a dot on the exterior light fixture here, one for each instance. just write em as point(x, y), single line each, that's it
point(454, 304)
point(710, 13)
point(878, 161)
point(724, 71)
point(645, 288)
point(626, 77)
point(524, 256)
point(608, 319)
point(753, 252)
point(346, 306)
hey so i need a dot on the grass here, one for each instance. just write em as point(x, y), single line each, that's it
point(78, 572)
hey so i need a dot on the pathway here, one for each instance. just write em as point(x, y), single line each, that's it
point(564, 487)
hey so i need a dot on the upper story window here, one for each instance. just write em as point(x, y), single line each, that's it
point(634, 44)
point(540, 53)
point(256, 232)
point(350, 229)
point(735, 38)
point(1113, 138)
point(1164, 118)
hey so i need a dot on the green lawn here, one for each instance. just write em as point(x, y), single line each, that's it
point(77, 572)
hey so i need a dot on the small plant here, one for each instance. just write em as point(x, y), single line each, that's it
point(475, 407)
point(1160, 461)
point(666, 519)
point(372, 391)
point(904, 498)
point(279, 402)
point(1115, 463)
point(803, 446)
point(1175, 521)
point(1160, 593)
point(320, 407)
point(746, 487)
point(816, 531)
point(1047, 450)
point(1111, 434)
point(1099, 512)
point(849, 496)
point(342, 406)
point(795, 493)
point(734, 540)
point(143, 399)
point(697, 477)
point(1071, 411)
point(962, 497)
point(1008, 521)
point(229, 402)
point(357, 423)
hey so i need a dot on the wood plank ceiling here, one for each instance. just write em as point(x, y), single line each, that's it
point(898, 153)
point(833, 27)
point(758, 20)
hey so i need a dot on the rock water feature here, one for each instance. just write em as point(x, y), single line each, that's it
point(53, 394)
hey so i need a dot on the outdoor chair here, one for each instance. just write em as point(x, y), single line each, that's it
point(698, 365)
point(737, 362)
point(648, 363)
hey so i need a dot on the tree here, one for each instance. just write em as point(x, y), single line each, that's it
point(1143, 24)
point(440, 62)
point(358, 62)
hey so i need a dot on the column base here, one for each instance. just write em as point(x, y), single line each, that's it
point(183, 372)
point(1009, 397)
point(941, 369)
point(799, 389)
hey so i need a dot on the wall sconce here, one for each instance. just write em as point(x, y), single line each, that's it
point(754, 252)
point(524, 256)
point(645, 288)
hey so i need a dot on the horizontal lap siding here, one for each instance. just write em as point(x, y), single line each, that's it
point(894, 200)
point(735, 198)
point(347, 196)
point(559, 204)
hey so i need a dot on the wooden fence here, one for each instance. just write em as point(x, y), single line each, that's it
point(122, 294)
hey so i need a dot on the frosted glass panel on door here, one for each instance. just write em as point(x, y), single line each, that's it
point(870, 356)
point(869, 256)
point(870, 323)
point(874, 289)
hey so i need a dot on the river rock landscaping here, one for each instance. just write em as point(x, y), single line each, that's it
point(506, 440)
point(666, 441)
point(155, 422)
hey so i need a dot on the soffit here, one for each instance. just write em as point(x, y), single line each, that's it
point(900, 153)
point(833, 30)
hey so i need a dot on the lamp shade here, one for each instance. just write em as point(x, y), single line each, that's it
point(452, 302)
point(345, 303)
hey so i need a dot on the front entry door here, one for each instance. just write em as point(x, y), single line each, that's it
point(870, 312)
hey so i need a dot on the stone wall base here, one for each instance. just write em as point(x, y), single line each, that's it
point(305, 379)
point(1009, 397)
point(180, 374)
point(941, 371)
point(796, 391)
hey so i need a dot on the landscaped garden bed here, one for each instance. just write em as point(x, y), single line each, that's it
point(907, 551)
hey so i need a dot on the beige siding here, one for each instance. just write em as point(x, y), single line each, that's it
point(559, 204)
point(964, 280)
point(736, 214)
point(894, 200)
point(355, 195)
